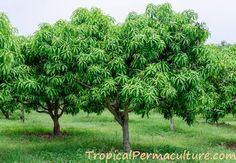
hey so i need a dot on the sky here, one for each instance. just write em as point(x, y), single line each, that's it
point(26, 15)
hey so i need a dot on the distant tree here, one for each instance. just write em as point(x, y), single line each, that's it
point(219, 72)
point(10, 65)
point(148, 61)
point(224, 43)
point(183, 54)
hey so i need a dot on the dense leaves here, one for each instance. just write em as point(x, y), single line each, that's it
point(155, 60)
point(56, 55)
point(219, 87)
point(150, 61)
point(11, 67)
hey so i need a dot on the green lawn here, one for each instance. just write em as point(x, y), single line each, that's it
point(30, 142)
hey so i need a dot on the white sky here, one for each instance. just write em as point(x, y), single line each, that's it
point(26, 15)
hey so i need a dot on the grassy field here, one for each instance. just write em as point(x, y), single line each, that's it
point(30, 142)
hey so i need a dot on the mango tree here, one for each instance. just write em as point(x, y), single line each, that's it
point(219, 72)
point(148, 61)
point(53, 54)
point(50, 87)
point(10, 65)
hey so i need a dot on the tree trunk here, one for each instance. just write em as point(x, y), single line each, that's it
point(6, 113)
point(172, 124)
point(22, 116)
point(125, 129)
point(122, 117)
point(56, 127)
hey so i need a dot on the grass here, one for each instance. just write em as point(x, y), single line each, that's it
point(28, 142)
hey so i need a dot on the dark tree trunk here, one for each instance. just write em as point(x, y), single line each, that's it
point(172, 124)
point(55, 112)
point(122, 117)
point(56, 127)
point(22, 116)
point(125, 129)
point(6, 113)
point(55, 115)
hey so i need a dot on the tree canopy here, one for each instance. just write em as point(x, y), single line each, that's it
point(11, 67)
point(219, 87)
point(53, 54)
point(150, 60)
point(155, 60)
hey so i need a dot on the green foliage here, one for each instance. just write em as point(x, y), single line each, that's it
point(219, 87)
point(10, 64)
point(155, 60)
point(56, 55)
point(149, 61)
point(31, 141)
point(158, 53)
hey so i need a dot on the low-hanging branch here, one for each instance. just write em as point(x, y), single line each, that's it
point(42, 111)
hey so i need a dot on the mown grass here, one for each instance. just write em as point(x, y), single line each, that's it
point(30, 141)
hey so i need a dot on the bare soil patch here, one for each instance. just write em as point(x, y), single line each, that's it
point(230, 146)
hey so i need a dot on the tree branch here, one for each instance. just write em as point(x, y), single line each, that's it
point(42, 111)
point(62, 111)
point(43, 107)
point(83, 84)
point(126, 110)
point(49, 106)
point(116, 115)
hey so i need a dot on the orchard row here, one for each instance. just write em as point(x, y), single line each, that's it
point(157, 60)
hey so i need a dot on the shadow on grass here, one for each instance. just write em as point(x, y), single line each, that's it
point(224, 125)
point(221, 124)
point(71, 142)
point(74, 151)
point(71, 146)
point(231, 145)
